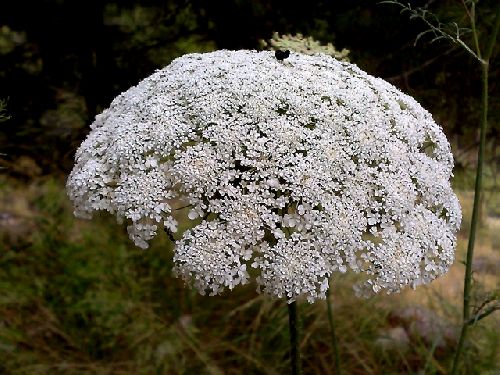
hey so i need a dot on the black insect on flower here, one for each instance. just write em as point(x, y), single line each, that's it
point(281, 55)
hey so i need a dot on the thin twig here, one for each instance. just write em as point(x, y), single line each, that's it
point(476, 318)
point(435, 27)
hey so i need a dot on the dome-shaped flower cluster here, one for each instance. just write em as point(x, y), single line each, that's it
point(296, 169)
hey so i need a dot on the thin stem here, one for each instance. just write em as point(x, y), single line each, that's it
point(477, 193)
point(293, 326)
point(493, 36)
point(474, 220)
point(334, 336)
point(472, 17)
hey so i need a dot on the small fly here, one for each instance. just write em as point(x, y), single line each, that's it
point(281, 55)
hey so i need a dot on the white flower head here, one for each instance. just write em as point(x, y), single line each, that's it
point(298, 169)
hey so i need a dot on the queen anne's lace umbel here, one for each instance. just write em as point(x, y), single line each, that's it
point(296, 169)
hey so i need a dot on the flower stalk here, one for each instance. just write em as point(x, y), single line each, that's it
point(334, 336)
point(293, 326)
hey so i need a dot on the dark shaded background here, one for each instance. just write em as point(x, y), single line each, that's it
point(63, 61)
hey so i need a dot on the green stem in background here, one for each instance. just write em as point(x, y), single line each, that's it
point(472, 17)
point(474, 224)
point(293, 326)
point(334, 336)
point(477, 191)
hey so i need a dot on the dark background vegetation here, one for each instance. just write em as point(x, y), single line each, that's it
point(77, 298)
point(61, 62)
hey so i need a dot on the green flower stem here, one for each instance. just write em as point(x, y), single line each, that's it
point(293, 326)
point(334, 336)
point(472, 234)
point(477, 190)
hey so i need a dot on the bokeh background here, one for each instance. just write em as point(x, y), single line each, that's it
point(77, 297)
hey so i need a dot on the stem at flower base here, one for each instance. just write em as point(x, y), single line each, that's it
point(334, 336)
point(293, 326)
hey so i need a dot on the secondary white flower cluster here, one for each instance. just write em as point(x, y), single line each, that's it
point(295, 169)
